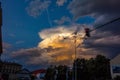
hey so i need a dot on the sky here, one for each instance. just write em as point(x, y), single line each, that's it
point(38, 33)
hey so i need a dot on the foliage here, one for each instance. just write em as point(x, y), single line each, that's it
point(32, 77)
point(97, 68)
point(92, 69)
point(50, 73)
point(61, 72)
point(56, 73)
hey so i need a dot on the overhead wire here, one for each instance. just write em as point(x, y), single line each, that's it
point(98, 27)
point(105, 24)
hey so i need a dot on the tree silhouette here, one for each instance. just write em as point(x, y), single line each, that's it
point(62, 70)
point(97, 68)
point(50, 74)
point(93, 69)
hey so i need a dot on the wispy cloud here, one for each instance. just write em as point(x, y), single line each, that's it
point(63, 20)
point(12, 35)
point(6, 46)
point(61, 2)
point(19, 42)
point(36, 7)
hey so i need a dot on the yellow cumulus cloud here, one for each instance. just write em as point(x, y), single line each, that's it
point(61, 44)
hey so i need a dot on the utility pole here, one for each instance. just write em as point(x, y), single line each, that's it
point(0, 31)
point(75, 37)
point(75, 57)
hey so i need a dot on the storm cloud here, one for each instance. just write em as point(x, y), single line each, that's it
point(94, 8)
point(105, 39)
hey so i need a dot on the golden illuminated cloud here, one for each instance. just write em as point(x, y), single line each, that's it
point(61, 44)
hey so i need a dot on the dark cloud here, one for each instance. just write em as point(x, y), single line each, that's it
point(102, 10)
point(106, 39)
point(26, 52)
point(114, 28)
point(104, 43)
point(31, 56)
point(94, 7)
point(36, 56)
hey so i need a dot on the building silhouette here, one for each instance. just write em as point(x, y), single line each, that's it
point(8, 70)
point(115, 66)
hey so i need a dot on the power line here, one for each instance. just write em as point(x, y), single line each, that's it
point(106, 24)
